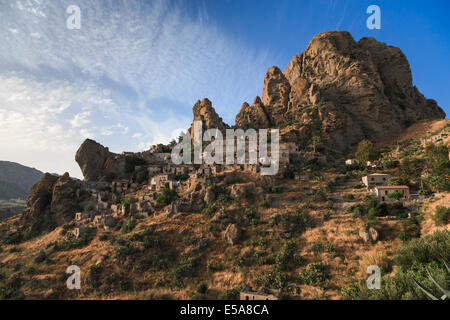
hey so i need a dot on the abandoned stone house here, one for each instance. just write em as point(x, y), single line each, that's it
point(80, 231)
point(375, 179)
point(264, 294)
point(382, 192)
point(153, 169)
point(443, 137)
point(161, 156)
point(208, 170)
point(80, 216)
point(161, 181)
point(120, 186)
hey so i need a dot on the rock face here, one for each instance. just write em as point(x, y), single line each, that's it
point(52, 201)
point(231, 234)
point(40, 195)
point(96, 162)
point(91, 157)
point(64, 199)
point(204, 112)
point(369, 234)
point(210, 196)
point(342, 90)
point(254, 116)
point(241, 190)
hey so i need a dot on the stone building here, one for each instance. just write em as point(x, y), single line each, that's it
point(375, 179)
point(263, 294)
point(382, 192)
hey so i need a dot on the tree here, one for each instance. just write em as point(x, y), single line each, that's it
point(365, 151)
point(316, 140)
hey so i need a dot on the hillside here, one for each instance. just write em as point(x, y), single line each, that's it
point(141, 227)
point(16, 180)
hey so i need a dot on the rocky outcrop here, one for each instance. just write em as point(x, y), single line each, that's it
point(342, 90)
point(369, 234)
point(232, 234)
point(276, 88)
point(40, 195)
point(210, 195)
point(253, 116)
point(204, 112)
point(65, 196)
point(91, 157)
point(98, 163)
point(241, 190)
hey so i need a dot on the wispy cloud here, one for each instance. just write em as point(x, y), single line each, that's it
point(133, 64)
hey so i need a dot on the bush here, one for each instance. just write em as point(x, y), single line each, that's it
point(316, 274)
point(202, 287)
point(349, 196)
point(414, 259)
point(441, 216)
point(182, 177)
point(410, 229)
point(395, 195)
point(167, 196)
point(296, 222)
point(273, 189)
point(232, 294)
point(128, 226)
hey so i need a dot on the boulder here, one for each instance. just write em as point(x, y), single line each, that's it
point(204, 112)
point(369, 234)
point(254, 116)
point(232, 234)
point(91, 157)
point(276, 88)
point(210, 195)
point(241, 190)
point(40, 195)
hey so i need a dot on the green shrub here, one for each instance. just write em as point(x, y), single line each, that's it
point(232, 294)
point(349, 196)
point(330, 204)
point(273, 189)
point(395, 195)
point(316, 274)
point(128, 226)
point(414, 260)
point(202, 287)
point(182, 177)
point(441, 216)
point(167, 196)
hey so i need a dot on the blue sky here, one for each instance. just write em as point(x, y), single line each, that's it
point(130, 76)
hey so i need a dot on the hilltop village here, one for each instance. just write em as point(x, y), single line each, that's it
point(363, 180)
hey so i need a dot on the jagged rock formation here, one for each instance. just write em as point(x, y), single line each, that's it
point(52, 201)
point(96, 161)
point(204, 112)
point(342, 90)
point(40, 195)
point(253, 116)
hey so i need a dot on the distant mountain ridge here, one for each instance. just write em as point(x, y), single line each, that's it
point(16, 180)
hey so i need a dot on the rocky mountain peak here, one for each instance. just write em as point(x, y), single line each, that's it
point(343, 90)
point(203, 111)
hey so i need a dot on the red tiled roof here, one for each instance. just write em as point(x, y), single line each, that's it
point(392, 187)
